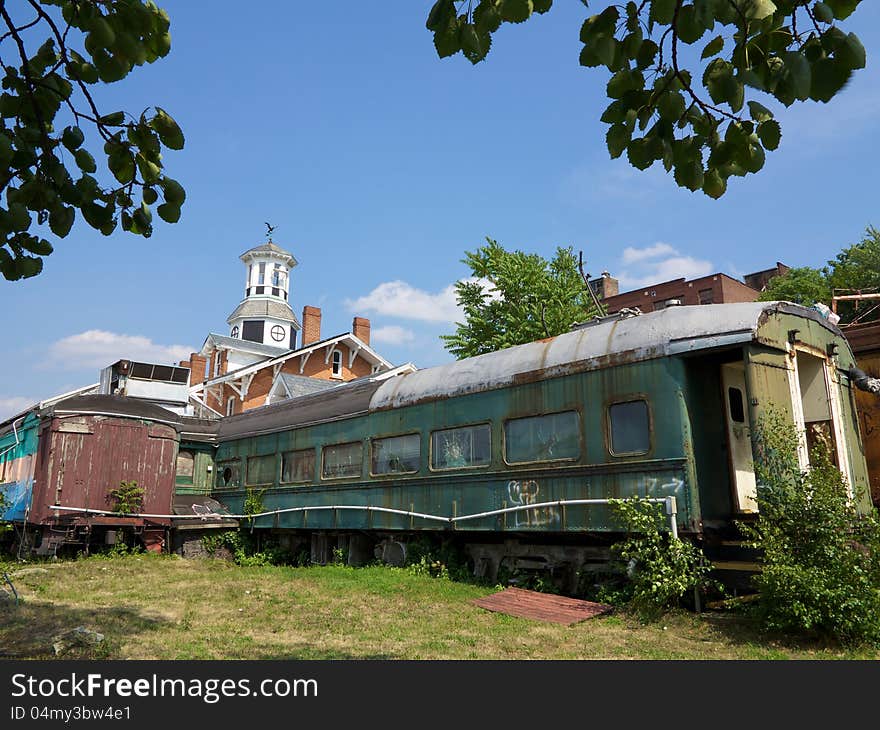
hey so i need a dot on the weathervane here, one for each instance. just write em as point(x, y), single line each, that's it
point(269, 229)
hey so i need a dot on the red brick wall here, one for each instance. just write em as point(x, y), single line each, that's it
point(311, 325)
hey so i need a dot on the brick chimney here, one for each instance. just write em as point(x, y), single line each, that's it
point(311, 331)
point(197, 366)
point(360, 328)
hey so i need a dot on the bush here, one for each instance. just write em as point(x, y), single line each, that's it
point(821, 557)
point(661, 569)
point(128, 497)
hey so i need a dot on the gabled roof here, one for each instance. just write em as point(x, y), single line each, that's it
point(265, 307)
point(355, 344)
point(297, 385)
point(233, 343)
point(272, 249)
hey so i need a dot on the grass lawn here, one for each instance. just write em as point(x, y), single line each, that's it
point(162, 607)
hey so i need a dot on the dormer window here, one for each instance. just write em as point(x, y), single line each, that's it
point(234, 332)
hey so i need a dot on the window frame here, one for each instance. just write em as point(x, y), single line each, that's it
point(391, 436)
point(631, 398)
point(360, 473)
point(247, 462)
point(281, 479)
point(432, 468)
point(221, 467)
point(333, 363)
point(572, 459)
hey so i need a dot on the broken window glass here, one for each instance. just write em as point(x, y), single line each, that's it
point(542, 438)
point(342, 460)
point(298, 466)
point(455, 448)
point(396, 454)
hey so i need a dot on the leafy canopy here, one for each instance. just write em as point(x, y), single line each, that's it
point(54, 138)
point(515, 297)
point(699, 124)
point(856, 268)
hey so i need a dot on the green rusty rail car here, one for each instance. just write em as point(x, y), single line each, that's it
point(655, 405)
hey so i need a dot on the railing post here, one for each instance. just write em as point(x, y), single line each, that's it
point(672, 511)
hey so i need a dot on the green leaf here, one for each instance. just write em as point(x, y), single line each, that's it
point(447, 40)
point(624, 81)
point(713, 47)
point(757, 9)
point(689, 30)
point(72, 138)
point(542, 6)
point(438, 16)
point(662, 11)
point(61, 220)
point(168, 130)
point(689, 175)
point(770, 133)
point(671, 106)
point(842, 9)
point(150, 195)
point(114, 119)
point(759, 112)
point(851, 52)
point(640, 154)
point(829, 75)
point(823, 13)
point(472, 46)
point(713, 184)
point(647, 53)
point(173, 191)
point(617, 139)
point(169, 212)
point(84, 160)
point(39, 246)
point(516, 11)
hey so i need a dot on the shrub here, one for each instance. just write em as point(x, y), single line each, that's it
point(820, 555)
point(661, 569)
point(128, 497)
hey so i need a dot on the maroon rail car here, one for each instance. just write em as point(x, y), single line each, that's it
point(88, 445)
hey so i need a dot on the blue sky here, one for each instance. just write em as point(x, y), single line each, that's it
point(380, 165)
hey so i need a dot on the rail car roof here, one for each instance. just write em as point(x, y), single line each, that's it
point(114, 405)
point(673, 330)
point(594, 345)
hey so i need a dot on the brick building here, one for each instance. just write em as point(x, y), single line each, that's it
point(238, 371)
point(711, 289)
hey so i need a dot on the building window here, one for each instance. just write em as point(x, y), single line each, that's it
point(277, 332)
point(458, 448)
point(234, 332)
point(252, 330)
point(259, 289)
point(630, 428)
point(396, 454)
point(260, 470)
point(298, 466)
point(230, 405)
point(542, 438)
point(707, 296)
point(342, 460)
point(336, 359)
point(261, 276)
point(216, 363)
point(276, 291)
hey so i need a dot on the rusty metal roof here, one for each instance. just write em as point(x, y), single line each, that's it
point(604, 343)
point(541, 606)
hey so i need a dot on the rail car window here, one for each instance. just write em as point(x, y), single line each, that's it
point(542, 438)
point(342, 460)
point(396, 454)
point(457, 448)
point(630, 427)
point(261, 469)
point(229, 474)
point(298, 466)
point(185, 464)
point(737, 408)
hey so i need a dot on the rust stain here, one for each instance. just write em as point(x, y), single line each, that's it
point(541, 606)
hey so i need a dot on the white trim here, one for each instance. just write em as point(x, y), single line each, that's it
point(303, 360)
point(352, 354)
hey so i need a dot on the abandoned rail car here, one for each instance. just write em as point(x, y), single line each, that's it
point(513, 452)
point(73, 453)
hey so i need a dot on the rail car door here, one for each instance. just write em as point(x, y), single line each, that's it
point(739, 442)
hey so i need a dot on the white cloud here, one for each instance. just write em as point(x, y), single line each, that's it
point(656, 264)
point(392, 335)
point(402, 300)
point(99, 348)
point(15, 404)
point(632, 255)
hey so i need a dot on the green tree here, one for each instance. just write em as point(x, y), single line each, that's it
point(802, 285)
point(515, 297)
point(694, 123)
point(53, 135)
point(855, 269)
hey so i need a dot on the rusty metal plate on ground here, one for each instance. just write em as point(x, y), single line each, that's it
point(541, 606)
